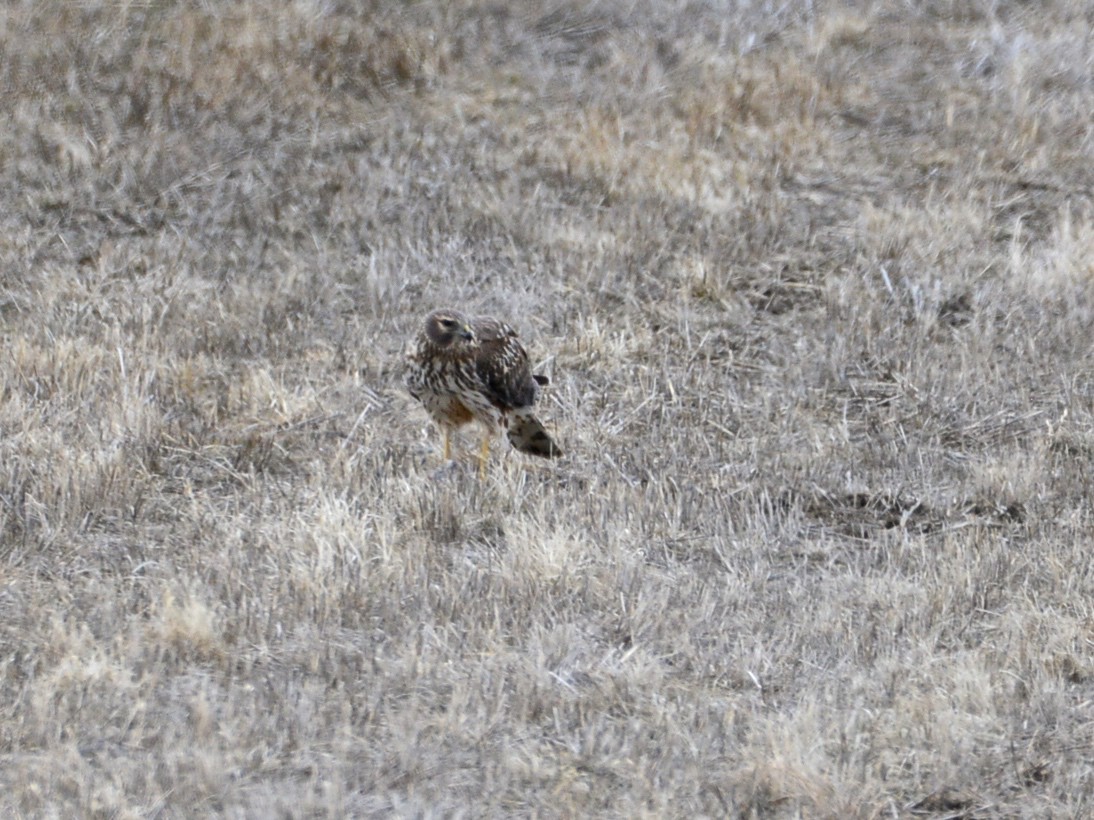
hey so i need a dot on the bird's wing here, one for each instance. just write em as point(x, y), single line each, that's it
point(502, 365)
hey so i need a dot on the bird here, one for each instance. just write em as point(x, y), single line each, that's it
point(466, 369)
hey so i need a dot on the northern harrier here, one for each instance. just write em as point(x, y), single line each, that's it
point(466, 370)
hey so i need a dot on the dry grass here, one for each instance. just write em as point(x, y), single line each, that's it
point(815, 284)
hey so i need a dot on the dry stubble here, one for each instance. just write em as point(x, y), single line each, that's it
point(814, 290)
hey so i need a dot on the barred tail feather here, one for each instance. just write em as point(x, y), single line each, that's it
point(528, 435)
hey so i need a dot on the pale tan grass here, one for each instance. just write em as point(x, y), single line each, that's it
point(813, 288)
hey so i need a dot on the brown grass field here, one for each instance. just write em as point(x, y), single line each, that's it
point(814, 284)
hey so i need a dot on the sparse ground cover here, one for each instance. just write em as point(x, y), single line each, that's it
point(814, 283)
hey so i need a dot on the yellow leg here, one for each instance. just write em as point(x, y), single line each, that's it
point(484, 456)
point(447, 444)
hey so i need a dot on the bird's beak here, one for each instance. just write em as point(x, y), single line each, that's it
point(465, 333)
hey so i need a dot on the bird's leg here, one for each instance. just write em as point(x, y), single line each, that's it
point(484, 456)
point(447, 444)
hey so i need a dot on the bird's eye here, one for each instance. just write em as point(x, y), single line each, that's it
point(448, 322)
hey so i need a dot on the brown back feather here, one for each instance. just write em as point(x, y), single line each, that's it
point(502, 364)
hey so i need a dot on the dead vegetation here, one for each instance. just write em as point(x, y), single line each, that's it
point(813, 284)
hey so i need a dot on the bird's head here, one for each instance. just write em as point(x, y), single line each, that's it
point(447, 328)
